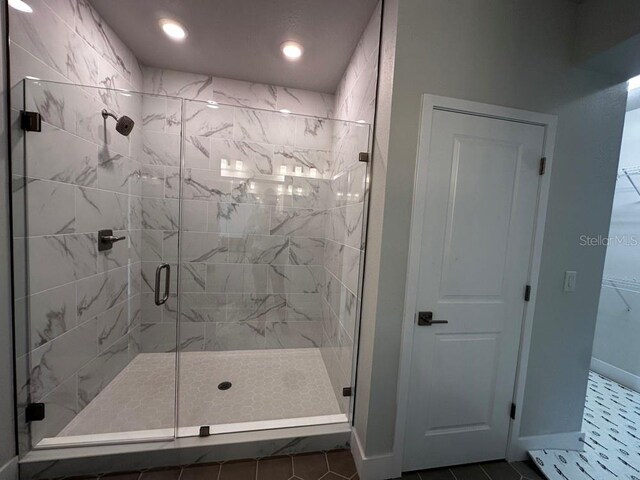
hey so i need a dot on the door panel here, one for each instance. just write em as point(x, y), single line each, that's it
point(479, 218)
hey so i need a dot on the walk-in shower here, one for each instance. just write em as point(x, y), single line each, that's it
point(229, 297)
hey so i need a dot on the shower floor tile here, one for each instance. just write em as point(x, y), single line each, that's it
point(266, 385)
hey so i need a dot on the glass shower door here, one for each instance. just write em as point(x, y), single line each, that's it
point(95, 215)
point(271, 242)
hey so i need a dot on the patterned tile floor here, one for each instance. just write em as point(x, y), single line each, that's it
point(333, 465)
point(266, 385)
point(611, 424)
point(498, 470)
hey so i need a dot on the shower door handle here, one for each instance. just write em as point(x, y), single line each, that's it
point(165, 297)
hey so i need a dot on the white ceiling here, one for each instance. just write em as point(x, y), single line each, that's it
point(241, 38)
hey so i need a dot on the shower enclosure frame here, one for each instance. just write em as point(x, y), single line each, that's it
point(275, 424)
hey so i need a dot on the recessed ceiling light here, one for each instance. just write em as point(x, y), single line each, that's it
point(20, 5)
point(173, 29)
point(291, 50)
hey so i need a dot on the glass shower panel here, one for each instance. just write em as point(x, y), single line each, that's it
point(272, 214)
point(94, 216)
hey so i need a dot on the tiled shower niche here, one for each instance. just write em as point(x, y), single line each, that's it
point(259, 215)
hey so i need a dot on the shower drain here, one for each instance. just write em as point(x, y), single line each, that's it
point(224, 386)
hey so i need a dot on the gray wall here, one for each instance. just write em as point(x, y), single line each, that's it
point(618, 328)
point(7, 438)
point(516, 54)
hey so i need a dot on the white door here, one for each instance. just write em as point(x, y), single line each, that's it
point(479, 219)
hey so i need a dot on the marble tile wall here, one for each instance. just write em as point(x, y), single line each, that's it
point(78, 309)
point(344, 250)
point(255, 187)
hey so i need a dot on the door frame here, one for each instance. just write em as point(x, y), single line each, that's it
point(515, 450)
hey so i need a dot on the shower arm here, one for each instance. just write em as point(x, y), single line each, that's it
point(106, 113)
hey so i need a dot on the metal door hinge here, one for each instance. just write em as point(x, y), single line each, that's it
point(527, 293)
point(30, 121)
point(363, 157)
point(543, 165)
point(347, 391)
point(204, 431)
point(512, 413)
point(34, 412)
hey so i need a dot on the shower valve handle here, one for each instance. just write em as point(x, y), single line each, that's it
point(106, 239)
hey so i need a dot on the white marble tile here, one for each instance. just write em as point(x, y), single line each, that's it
point(313, 133)
point(160, 214)
point(261, 307)
point(90, 26)
point(305, 102)
point(115, 172)
point(33, 31)
point(248, 335)
point(99, 209)
point(310, 193)
point(293, 334)
point(296, 279)
point(83, 65)
point(306, 307)
point(57, 103)
point(202, 307)
point(193, 277)
point(51, 313)
point(204, 247)
point(113, 324)
point(297, 222)
point(152, 177)
point(179, 84)
point(244, 94)
point(154, 113)
point(65, 9)
point(237, 278)
point(306, 251)
point(236, 218)
point(55, 361)
point(197, 151)
point(258, 249)
point(58, 259)
point(101, 292)
point(97, 374)
point(160, 149)
point(345, 225)
point(151, 245)
point(54, 154)
point(194, 216)
point(256, 158)
point(264, 127)
point(207, 120)
point(292, 157)
point(50, 207)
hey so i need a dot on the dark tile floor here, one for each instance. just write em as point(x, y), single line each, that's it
point(333, 465)
point(498, 470)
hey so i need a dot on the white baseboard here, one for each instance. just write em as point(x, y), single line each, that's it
point(9, 471)
point(378, 467)
point(556, 441)
point(616, 374)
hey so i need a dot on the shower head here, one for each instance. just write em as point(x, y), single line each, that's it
point(124, 124)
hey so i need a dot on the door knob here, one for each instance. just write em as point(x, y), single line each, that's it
point(425, 319)
point(106, 239)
